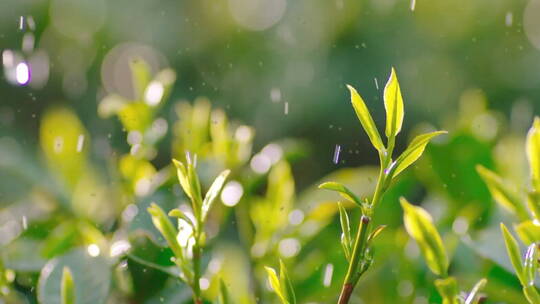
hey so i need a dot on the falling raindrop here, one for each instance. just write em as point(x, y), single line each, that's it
point(337, 151)
point(376, 83)
point(286, 108)
point(80, 143)
point(413, 5)
point(509, 19)
point(328, 272)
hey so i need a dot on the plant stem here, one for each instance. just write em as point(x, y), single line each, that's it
point(353, 273)
point(197, 253)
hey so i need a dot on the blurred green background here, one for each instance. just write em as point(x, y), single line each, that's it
point(281, 66)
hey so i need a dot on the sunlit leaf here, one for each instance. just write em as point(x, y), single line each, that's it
point(533, 201)
point(213, 192)
point(533, 152)
point(448, 290)
point(420, 227)
point(342, 190)
point(531, 293)
point(514, 253)
point(223, 297)
point(135, 116)
point(92, 277)
point(501, 193)
point(365, 119)
point(164, 225)
point(67, 289)
point(275, 284)
point(528, 231)
point(286, 283)
point(346, 241)
point(414, 151)
point(183, 177)
point(376, 232)
point(393, 103)
point(140, 73)
point(473, 296)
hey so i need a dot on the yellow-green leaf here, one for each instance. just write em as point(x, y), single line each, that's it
point(420, 227)
point(533, 201)
point(531, 294)
point(183, 177)
point(342, 190)
point(275, 284)
point(365, 119)
point(393, 103)
point(501, 193)
point(67, 288)
point(472, 297)
point(346, 242)
point(528, 232)
point(140, 73)
point(414, 151)
point(223, 297)
point(286, 283)
point(533, 152)
point(166, 228)
point(213, 192)
point(448, 290)
point(514, 253)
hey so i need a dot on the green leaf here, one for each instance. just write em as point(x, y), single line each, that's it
point(528, 232)
point(275, 284)
point(183, 177)
point(179, 214)
point(420, 227)
point(533, 201)
point(365, 119)
point(501, 193)
point(67, 289)
point(140, 73)
point(91, 274)
point(533, 152)
point(166, 228)
point(448, 290)
point(375, 233)
point(531, 294)
point(393, 103)
point(472, 297)
point(286, 283)
point(213, 192)
point(342, 190)
point(223, 297)
point(346, 241)
point(514, 253)
point(414, 151)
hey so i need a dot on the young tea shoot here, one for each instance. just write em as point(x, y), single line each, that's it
point(358, 249)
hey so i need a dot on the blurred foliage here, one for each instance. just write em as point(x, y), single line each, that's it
point(112, 91)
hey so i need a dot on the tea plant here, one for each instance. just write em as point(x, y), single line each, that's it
point(527, 229)
point(358, 250)
point(420, 227)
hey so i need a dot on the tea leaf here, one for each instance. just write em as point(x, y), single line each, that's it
point(166, 228)
point(346, 241)
point(528, 232)
point(275, 284)
point(365, 119)
point(182, 177)
point(213, 192)
point(531, 294)
point(514, 253)
point(393, 103)
point(501, 193)
point(342, 190)
point(140, 73)
point(420, 227)
point(285, 281)
point(533, 201)
point(223, 297)
point(472, 296)
point(533, 152)
point(414, 151)
point(67, 288)
point(448, 290)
